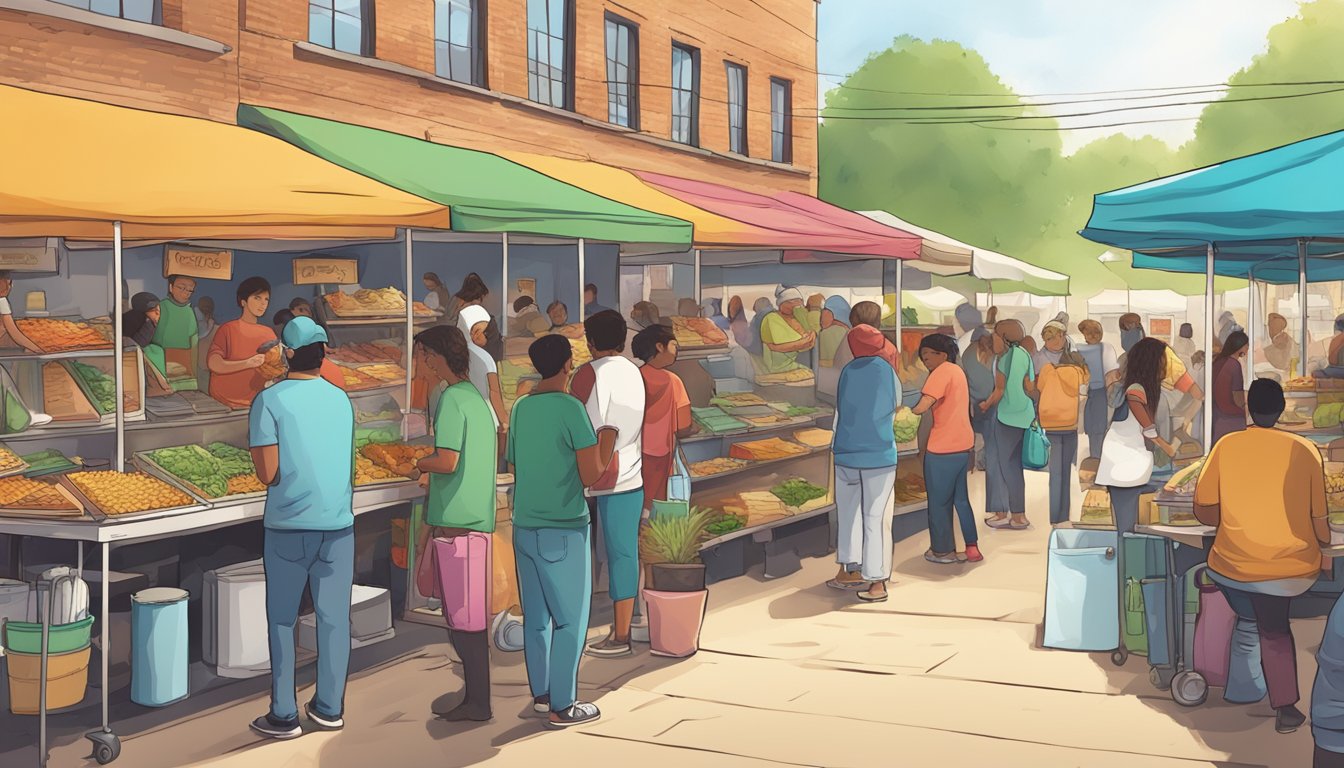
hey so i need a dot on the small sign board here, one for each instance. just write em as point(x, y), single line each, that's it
point(326, 271)
point(1160, 328)
point(31, 254)
point(197, 263)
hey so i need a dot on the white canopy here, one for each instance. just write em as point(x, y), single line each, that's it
point(1112, 301)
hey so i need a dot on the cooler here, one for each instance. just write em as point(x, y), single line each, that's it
point(1081, 590)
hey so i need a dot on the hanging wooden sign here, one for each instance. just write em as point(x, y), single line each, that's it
point(197, 263)
point(326, 271)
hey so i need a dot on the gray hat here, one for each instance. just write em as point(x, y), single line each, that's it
point(969, 317)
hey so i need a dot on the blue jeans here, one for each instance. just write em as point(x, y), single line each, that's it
point(945, 481)
point(324, 561)
point(555, 583)
point(619, 515)
point(1063, 453)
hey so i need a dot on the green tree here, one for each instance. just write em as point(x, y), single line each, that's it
point(1303, 49)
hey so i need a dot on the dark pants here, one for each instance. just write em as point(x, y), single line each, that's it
point(1096, 420)
point(1324, 758)
point(1008, 453)
point(1063, 454)
point(1125, 507)
point(945, 481)
point(1278, 655)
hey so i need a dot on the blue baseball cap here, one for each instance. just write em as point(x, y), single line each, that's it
point(302, 331)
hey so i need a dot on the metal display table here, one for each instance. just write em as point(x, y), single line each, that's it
point(160, 525)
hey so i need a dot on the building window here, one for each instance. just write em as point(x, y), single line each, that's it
point(685, 94)
point(737, 108)
point(459, 38)
point(781, 120)
point(342, 25)
point(147, 11)
point(550, 54)
point(622, 72)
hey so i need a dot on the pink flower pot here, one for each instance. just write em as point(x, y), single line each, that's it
point(675, 619)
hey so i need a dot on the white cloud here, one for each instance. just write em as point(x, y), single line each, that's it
point(1066, 46)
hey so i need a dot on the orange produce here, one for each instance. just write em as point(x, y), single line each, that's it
point(396, 457)
point(54, 336)
point(117, 493)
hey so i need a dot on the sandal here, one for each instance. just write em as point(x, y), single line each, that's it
point(868, 597)
point(846, 585)
point(999, 525)
point(1024, 526)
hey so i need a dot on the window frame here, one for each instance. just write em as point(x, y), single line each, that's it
point(785, 155)
point(567, 74)
point(155, 16)
point(729, 68)
point(476, 45)
point(367, 27)
point(631, 67)
point(693, 140)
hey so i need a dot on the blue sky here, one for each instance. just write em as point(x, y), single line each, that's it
point(1058, 46)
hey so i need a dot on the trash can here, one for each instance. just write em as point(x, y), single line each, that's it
point(1081, 590)
point(159, 646)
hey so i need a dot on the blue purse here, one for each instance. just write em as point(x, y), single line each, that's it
point(1035, 447)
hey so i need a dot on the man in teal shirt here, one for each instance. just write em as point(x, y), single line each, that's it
point(555, 455)
point(177, 331)
point(461, 503)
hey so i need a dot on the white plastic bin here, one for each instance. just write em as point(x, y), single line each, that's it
point(370, 619)
point(233, 620)
point(1081, 592)
point(15, 602)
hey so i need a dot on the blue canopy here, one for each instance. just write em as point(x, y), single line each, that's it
point(1281, 194)
point(1279, 269)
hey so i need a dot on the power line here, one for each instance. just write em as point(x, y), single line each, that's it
point(1086, 127)
point(843, 85)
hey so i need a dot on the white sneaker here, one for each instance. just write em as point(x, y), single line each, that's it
point(580, 713)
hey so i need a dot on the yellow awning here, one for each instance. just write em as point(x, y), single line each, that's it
point(711, 230)
point(71, 167)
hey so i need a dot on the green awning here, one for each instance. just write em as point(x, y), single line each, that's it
point(484, 192)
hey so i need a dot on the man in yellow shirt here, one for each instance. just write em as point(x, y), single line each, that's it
point(1264, 490)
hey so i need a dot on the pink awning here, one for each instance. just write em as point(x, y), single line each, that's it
point(792, 221)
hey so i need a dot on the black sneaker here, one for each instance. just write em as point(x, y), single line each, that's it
point(273, 728)
point(579, 713)
point(542, 705)
point(1288, 719)
point(322, 721)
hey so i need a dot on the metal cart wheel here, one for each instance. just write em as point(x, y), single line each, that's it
point(1161, 677)
point(106, 746)
point(1189, 689)
point(1119, 657)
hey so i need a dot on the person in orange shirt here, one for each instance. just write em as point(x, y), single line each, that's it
point(667, 408)
point(947, 458)
point(233, 359)
point(1061, 380)
point(1264, 490)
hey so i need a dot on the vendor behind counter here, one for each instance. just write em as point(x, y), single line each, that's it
point(139, 325)
point(234, 359)
point(177, 332)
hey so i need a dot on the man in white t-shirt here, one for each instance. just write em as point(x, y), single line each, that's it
point(968, 319)
point(612, 389)
point(483, 371)
point(9, 328)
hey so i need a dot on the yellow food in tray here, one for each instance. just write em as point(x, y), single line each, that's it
point(1300, 384)
point(715, 466)
point(367, 472)
point(25, 493)
point(694, 332)
point(395, 457)
point(9, 460)
point(372, 301)
point(815, 438)
point(765, 450)
point(388, 372)
point(241, 484)
point(54, 336)
point(796, 376)
point(118, 493)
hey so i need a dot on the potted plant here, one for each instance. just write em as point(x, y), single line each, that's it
point(676, 597)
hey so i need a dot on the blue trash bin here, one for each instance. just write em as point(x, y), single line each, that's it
point(158, 646)
point(1081, 591)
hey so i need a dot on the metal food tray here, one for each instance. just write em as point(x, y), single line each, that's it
point(20, 469)
point(93, 511)
point(145, 463)
point(48, 514)
point(373, 314)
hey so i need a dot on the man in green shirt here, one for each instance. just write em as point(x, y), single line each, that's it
point(461, 503)
point(555, 455)
point(782, 340)
point(177, 331)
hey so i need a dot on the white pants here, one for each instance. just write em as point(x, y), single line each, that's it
point(863, 500)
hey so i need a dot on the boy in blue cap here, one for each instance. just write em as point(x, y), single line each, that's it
point(301, 432)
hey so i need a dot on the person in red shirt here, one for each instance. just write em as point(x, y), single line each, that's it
point(233, 358)
point(667, 408)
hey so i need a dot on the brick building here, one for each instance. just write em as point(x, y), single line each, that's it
point(719, 90)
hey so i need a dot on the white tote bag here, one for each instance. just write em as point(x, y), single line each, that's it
point(1126, 461)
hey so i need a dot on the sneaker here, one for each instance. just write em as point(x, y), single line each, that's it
point(1288, 719)
point(581, 712)
point(325, 722)
point(542, 705)
point(639, 632)
point(609, 648)
point(973, 553)
point(273, 728)
point(933, 557)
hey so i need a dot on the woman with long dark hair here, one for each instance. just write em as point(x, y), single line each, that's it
point(1126, 458)
point(1014, 390)
point(1229, 387)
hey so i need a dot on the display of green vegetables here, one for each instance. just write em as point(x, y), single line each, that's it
point(724, 525)
point(47, 462)
point(799, 410)
point(101, 385)
point(209, 469)
point(906, 426)
point(796, 492)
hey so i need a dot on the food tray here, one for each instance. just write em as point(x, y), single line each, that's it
point(28, 325)
point(19, 466)
point(93, 511)
point(48, 514)
point(146, 464)
point(419, 309)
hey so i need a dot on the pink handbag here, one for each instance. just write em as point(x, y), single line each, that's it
point(465, 579)
point(1213, 631)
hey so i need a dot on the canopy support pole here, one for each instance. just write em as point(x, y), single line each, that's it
point(1253, 310)
point(410, 320)
point(1302, 298)
point(900, 280)
point(1207, 384)
point(582, 259)
point(698, 298)
point(118, 364)
point(504, 278)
